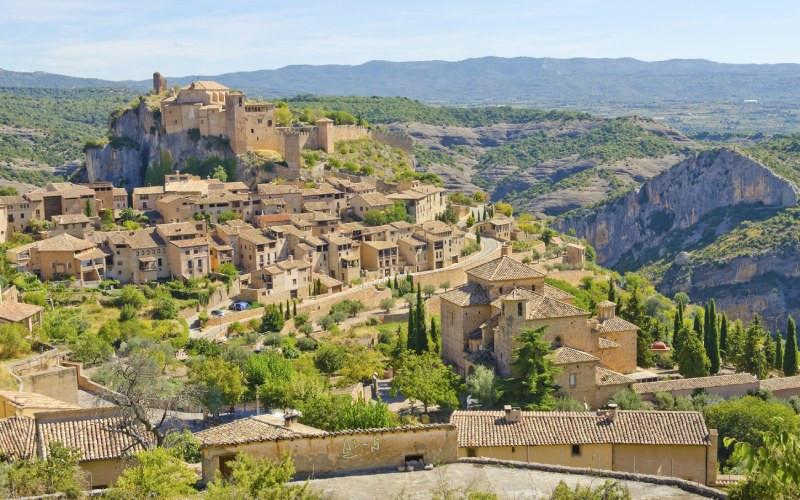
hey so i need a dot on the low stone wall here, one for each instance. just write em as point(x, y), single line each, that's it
point(688, 486)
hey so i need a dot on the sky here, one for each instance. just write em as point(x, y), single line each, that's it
point(124, 39)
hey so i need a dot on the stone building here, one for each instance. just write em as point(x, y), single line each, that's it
point(482, 319)
point(60, 257)
point(423, 201)
point(662, 443)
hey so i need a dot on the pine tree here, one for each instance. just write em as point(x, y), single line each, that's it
point(435, 341)
point(790, 356)
point(723, 336)
point(778, 362)
point(612, 293)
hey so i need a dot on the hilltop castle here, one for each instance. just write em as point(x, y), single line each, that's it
point(216, 110)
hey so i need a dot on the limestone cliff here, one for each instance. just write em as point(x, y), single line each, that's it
point(639, 221)
point(138, 142)
point(719, 225)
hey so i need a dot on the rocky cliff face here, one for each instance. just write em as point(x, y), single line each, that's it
point(717, 226)
point(632, 225)
point(138, 142)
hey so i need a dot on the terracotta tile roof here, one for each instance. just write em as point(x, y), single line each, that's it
point(615, 324)
point(92, 253)
point(469, 294)
point(380, 245)
point(148, 190)
point(489, 428)
point(604, 343)
point(70, 219)
point(34, 400)
point(270, 428)
point(254, 236)
point(314, 206)
point(502, 269)
point(252, 429)
point(95, 433)
point(337, 240)
point(779, 383)
point(63, 243)
point(192, 242)
point(604, 376)
point(372, 199)
point(542, 307)
point(607, 303)
point(205, 85)
point(137, 239)
point(18, 311)
point(556, 293)
point(568, 355)
point(693, 383)
point(269, 189)
point(119, 192)
point(17, 437)
point(176, 228)
point(12, 200)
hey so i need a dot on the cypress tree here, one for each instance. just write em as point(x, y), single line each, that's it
point(280, 308)
point(395, 282)
point(778, 362)
point(478, 237)
point(294, 308)
point(698, 327)
point(433, 344)
point(612, 293)
point(790, 356)
point(677, 324)
point(706, 325)
point(411, 338)
point(419, 324)
point(723, 336)
point(712, 340)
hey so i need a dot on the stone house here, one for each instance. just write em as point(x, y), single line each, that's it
point(379, 258)
point(146, 198)
point(662, 443)
point(187, 248)
point(108, 196)
point(584, 379)
point(256, 250)
point(19, 210)
point(319, 452)
point(77, 225)
point(364, 202)
point(62, 198)
point(344, 258)
point(60, 257)
point(498, 227)
point(28, 315)
point(135, 256)
point(423, 202)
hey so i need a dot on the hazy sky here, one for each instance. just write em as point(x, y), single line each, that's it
point(122, 39)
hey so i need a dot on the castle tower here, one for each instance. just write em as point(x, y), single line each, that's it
point(324, 128)
point(159, 83)
point(236, 122)
point(291, 150)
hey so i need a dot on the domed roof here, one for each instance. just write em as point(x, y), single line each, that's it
point(659, 346)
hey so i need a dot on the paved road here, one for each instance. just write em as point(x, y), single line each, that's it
point(506, 482)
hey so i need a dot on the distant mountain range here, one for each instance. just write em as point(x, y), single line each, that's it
point(543, 82)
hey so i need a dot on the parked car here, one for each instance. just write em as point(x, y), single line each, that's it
point(240, 306)
point(217, 312)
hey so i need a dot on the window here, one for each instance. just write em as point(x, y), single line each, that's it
point(519, 308)
point(572, 380)
point(576, 450)
point(472, 452)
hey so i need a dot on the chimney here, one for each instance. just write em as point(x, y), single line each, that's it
point(506, 249)
point(512, 415)
point(612, 412)
point(289, 419)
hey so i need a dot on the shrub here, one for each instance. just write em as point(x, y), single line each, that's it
point(165, 308)
point(306, 344)
point(12, 341)
point(330, 358)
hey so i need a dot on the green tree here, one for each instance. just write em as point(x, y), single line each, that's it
point(609, 490)
point(128, 214)
point(226, 215)
point(263, 367)
point(330, 358)
point(337, 412)
point(387, 304)
point(132, 296)
point(107, 217)
point(272, 320)
point(434, 338)
point(778, 360)
point(90, 349)
point(444, 285)
point(723, 336)
point(13, 340)
point(220, 173)
point(711, 337)
point(536, 369)
point(698, 328)
point(483, 385)
point(470, 220)
point(185, 446)
point(753, 358)
point(692, 359)
point(746, 420)
point(429, 290)
point(424, 378)
point(60, 472)
point(677, 328)
point(612, 293)
point(478, 237)
point(217, 382)
point(229, 271)
point(773, 469)
point(258, 478)
point(165, 308)
point(790, 356)
point(547, 236)
point(156, 473)
point(420, 327)
point(89, 208)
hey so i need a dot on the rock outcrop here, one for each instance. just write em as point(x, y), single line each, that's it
point(138, 142)
point(639, 221)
